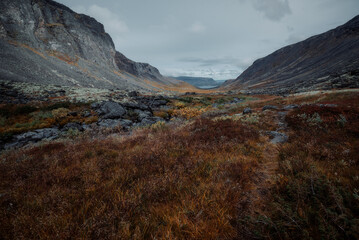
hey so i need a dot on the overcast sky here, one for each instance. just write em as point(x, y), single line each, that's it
point(211, 38)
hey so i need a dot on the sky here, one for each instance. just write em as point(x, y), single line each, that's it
point(211, 38)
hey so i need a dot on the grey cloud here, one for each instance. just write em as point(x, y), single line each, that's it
point(274, 10)
point(240, 63)
point(212, 38)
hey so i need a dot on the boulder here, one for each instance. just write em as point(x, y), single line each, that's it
point(291, 106)
point(109, 123)
point(269, 107)
point(111, 110)
point(133, 94)
point(142, 114)
point(247, 110)
point(277, 137)
point(140, 106)
point(33, 136)
point(150, 120)
point(73, 126)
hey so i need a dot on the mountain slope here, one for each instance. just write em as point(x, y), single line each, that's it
point(45, 42)
point(329, 60)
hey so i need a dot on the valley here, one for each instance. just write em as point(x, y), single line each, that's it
point(94, 145)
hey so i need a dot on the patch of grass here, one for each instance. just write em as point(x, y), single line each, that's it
point(180, 183)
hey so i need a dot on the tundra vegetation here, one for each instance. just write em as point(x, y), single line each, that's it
point(208, 172)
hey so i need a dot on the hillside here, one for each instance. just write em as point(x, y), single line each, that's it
point(46, 42)
point(198, 81)
point(326, 61)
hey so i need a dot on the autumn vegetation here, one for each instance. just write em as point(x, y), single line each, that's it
point(209, 173)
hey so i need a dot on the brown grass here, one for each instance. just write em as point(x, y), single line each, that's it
point(170, 184)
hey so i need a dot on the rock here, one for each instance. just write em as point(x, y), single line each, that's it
point(277, 137)
point(125, 123)
point(33, 136)
point(140, 106)
point(74, 126)
point(247, 110)
point(96, 105)
point(113, 123)
point(237, 100)
point(86, 114)
point(133, 94)
point(158, 103)
point(111, 110)
point(109, 123)
point(269, 107)
point(327, 105)
point(150, 121)
point(291, 106)
point(142, 114)
point(190, 93)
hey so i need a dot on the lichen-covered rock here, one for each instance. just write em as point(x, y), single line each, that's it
point(111, 110)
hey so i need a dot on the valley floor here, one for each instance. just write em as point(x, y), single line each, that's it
point(214, 166)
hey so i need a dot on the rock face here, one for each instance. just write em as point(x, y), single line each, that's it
point(329, 60)
point(45, 42)
point(199, 81)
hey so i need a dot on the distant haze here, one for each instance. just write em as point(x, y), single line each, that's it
point(211, 38)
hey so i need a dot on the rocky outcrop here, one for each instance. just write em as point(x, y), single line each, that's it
point(326, 61)
point(45, 42)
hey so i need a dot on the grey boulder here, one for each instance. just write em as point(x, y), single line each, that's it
point(33, 136)
point(111, 110)
point(277, 137)
point(269, 107)
point(291, 106)
point(247, 110)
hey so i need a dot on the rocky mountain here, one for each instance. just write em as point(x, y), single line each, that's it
point(198, 81)
point(326, 61)
point(45, 42)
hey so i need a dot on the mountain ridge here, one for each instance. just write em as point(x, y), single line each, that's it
point(46, 42)
point(324, 61)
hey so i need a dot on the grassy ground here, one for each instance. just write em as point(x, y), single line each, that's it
point(208, 174)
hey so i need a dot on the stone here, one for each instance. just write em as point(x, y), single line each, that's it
point(247, 110)
point(269, 107)
point(133, 94)
point(109, 123)
point(86, 114)
point(290, 107)
point(142, 114)
point(150, 121)
point(111, 110)
point(74, 126)
point(277, 137)
point(140, 106)
point(33, 136)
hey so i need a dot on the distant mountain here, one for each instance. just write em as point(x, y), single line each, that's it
point(199, 81)
point(45, 42)
point(326, 61)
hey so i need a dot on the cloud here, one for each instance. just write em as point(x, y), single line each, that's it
point(113, 25)
point(209, 62)
point(274, 10)
point(197, 27)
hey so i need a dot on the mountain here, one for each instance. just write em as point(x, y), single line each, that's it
point(199, 81)
point(326, 61)
point(45, 42)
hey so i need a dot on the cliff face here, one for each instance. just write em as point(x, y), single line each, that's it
point(46, 42)
point(329, 60)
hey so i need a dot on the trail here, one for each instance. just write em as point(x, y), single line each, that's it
point(265, 178)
